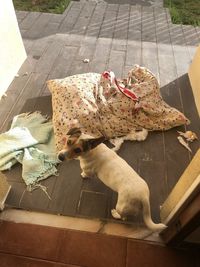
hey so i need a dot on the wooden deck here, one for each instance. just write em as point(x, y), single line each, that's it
point(113, 37)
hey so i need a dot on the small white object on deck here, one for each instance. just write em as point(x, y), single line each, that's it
point(183, 143)
point(86, 60)
point(189, 135)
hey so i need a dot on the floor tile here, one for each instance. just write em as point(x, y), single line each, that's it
point(8, 260)
point(144, 254)
point(92, 250)
point(30, 240)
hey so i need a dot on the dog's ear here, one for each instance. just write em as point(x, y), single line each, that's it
point(92, 143)
point(75, 132)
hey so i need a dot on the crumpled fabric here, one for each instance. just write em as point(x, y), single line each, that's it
point(96, 104)
point(30, 141)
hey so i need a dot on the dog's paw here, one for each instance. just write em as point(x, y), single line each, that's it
point(115, 214)
point(117, 142)
point(137, 135)
point(141, 135)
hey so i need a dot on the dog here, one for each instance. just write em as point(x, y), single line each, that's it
point(97, 159)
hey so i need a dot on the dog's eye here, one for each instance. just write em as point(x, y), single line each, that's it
point(77, 150)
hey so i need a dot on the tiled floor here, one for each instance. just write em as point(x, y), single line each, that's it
point(31, 245)
point(112, 36)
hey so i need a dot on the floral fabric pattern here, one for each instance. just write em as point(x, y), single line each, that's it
point(95, 104)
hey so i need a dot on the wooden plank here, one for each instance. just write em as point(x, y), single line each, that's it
point(101, 55)
point(37, 199)
point(16, 192)
point(94, 184)
point(121, 28)
point(36, 30)
point(116, 62)
point(161, 26)
point(152, 149)
point(86, 51)
point(133, 53)
point(66, 192)
point(63, 63)
point(153, 172)
point(131, 152)
point(32, 89)
point(190, 110)
point(56, 18)
point(29, 20)
point(150, 57)
point(92, 204)
point(108, 25)
point(70, 18)
point(83, 19)
point(21, 14)
point(46, 62)
point(96, 20)
point(190, 35)
point(176, 156)
point(167, 69)
point(172, 95)
point(148, 25)
point(39, 46)
point(78, 36)
point(44, 105)
point(135, 23)
point(182, 59)
point(14, 174)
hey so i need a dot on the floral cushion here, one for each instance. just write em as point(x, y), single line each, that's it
point(97, 105)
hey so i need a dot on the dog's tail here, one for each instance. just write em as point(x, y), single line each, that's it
point(147, 217)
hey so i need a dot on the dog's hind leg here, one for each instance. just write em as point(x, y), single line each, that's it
point(119, 211)
point(115, 214)
point(147, 217)
point(84, 175)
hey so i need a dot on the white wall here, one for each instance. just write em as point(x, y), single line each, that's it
point(12, 52)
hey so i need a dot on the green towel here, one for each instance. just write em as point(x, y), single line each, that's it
point(29, 141)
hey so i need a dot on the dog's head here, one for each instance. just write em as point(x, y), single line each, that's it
point(75, 144)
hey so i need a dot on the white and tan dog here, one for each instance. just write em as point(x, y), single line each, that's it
point(97, 159)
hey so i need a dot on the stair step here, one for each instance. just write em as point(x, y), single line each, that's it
point(152, 3)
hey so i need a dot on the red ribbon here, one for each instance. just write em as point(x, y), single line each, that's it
point(111, 76)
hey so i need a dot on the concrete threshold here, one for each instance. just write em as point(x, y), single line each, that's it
point(81, 224)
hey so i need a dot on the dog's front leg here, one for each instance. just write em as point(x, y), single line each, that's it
point(84, 175)
point(86, 172)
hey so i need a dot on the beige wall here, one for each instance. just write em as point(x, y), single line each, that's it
point(12, 52)
point(194, 75)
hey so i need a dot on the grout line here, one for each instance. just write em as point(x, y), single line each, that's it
point(126, 256)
